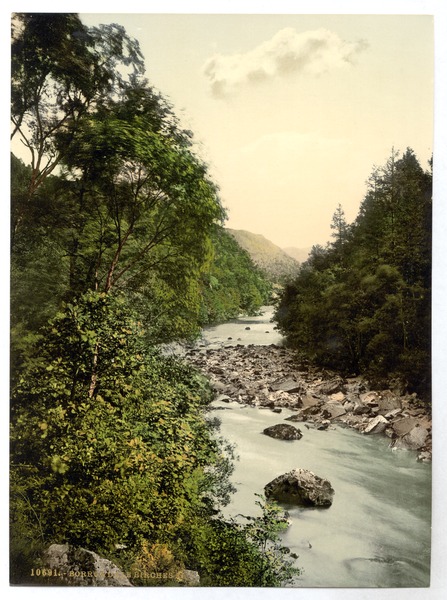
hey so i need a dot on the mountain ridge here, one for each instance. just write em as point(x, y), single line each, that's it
point(273, 260)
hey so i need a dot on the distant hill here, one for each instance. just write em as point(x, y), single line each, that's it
point(299, 254)
point(264, 253)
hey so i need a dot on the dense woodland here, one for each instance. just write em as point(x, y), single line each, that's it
point(118, 246)
point(363, 303)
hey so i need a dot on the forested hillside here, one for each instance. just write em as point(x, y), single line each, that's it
point(117, 246)
point(271, 259)
point(362, 304)
point(53, 260)
point(233, 284)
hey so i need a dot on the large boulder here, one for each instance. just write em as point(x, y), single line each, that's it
point(301, 487)
point(80, 567)
point(283, 431)
point(414, 439)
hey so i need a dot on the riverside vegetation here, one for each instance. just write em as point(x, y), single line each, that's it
point(363, 303)
point(118, 246)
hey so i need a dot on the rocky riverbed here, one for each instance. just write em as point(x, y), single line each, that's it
point(273, 377)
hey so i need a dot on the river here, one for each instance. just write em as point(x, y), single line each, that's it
point(377, 531)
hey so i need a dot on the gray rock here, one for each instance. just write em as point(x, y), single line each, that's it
point(413, 440)
point(354, 421)
point(289, 385)
point(360, 409)
point(189, 578)
point(332, 411)
point(217, 370)
point(218, 386)
point(330, 386)
point(284, 399)
point(308, 401)
point(348, 406)
point(301, 487)
point(405, 425)
point(80, 567)
point(393, 413)
point(388, 402)
point(355, 385)
point(283, 431)
point(299, 416)
point(223, 398)
point(376, 425)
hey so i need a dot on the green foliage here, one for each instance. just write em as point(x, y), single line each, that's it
point(105, 438)
point(110, 446)
point(233, 284)
point(120, 250)
point(275, 566)
point(363, 303)
point(61, 71)
point(131, 207)
point(230, 553)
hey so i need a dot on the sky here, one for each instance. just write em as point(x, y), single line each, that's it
point(292, 112)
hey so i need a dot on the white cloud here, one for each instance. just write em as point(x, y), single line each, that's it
point(286, 53)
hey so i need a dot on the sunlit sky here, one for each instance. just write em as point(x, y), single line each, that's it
point(292, 111)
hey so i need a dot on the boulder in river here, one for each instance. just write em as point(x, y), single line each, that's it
point(283, 431)
point(301, 487)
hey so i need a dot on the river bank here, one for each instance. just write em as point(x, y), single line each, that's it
point(273, 377)
point(377, 531)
